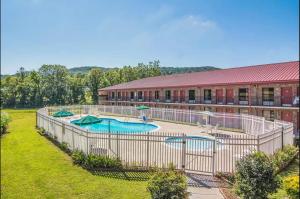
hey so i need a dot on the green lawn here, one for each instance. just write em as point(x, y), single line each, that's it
point(291, 170)
point(33, 167)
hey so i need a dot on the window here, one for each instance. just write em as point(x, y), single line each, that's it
point(119, 95)
point(140, 95)
point(168, 94)
point(131, 95)
point(207, 94)
point(192, 95)
point(268, 94)
point(269, 115)
point(243, 94)
point(156, 95)
point(113, 95)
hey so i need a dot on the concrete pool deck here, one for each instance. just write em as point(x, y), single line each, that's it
point(165, 126)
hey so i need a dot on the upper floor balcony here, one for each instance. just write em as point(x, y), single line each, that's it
point(278, 101)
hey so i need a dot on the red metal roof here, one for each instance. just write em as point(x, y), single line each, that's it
point(267, 73)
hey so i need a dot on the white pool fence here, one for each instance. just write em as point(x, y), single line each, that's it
point(219, 153)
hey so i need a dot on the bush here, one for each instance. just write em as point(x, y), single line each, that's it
point(284, 156)
point(5, 119)
point(229, 177)
point(291, 186)
point(95, 162)
point(170, 184)
point(41, 131)
point(255, 176)
point(65, 147)
point(78, 157)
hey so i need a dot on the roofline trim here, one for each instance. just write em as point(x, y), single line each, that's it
point(207, 85)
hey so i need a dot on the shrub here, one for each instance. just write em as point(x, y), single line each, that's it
point(95, 162)
point(170, 184)
point(78, 157)
point(291, 186)
point(41, 131)
point(5, 119)
point(65, 147)
point(284, 156)
point(255, 176)
point(229, 177)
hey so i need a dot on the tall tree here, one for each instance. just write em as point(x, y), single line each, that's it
point(76, 89)
point(8, 91)
point(94, 83)
point(54, 82)
point(23, 88)
point(36, 97)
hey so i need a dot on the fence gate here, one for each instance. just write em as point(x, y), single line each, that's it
point(199, 154)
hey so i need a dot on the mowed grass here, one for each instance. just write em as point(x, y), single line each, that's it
point(291, 170)
point(33, 167)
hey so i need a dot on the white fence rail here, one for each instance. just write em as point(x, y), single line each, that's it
point(146, 150)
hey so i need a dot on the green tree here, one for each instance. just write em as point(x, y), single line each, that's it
point(36, 97)
point(76, 89)
point(23, 88)
point(54, 84)
point(8, 91)
point(93, 81)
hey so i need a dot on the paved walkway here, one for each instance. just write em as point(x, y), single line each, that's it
point(203, 187)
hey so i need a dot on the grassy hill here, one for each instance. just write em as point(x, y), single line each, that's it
point(164, 70)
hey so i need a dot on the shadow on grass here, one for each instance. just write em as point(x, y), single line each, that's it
point(124, 174)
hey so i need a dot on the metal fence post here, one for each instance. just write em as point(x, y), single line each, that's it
point(183, 151)
point(87, 142)
point(118, 147)
point(263, 125)
point(258, 147)
point(63, 130)
point(36, 119)
point(148, 151)
point(73, 142)
point(213, 157)
point(252, 124)
point(282, 135)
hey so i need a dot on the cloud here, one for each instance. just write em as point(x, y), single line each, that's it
point(191, 24)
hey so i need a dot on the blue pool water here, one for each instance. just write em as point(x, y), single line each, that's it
point(192, 142)
point(118, 126)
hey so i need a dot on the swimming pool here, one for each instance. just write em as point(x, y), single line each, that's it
point(113, 126)
point(192, 142)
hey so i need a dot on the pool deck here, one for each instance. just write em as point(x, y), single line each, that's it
point(165, 126)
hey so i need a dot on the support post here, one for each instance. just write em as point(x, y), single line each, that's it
point(118, 147)
point(109, 135)
point(63, 130)
point(183, 154)
point(214, 157)
point(263, 125)
point(36, 119)
point(73, 142)
point(148, 150)
point(252, 124)
point(258, 145)
point(282, 136)
point(87, 142)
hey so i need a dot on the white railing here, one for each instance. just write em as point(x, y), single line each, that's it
point(150, 149)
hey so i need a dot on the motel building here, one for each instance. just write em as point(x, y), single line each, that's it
point(269, 90)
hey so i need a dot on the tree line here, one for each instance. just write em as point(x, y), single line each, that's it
point(55, 85)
